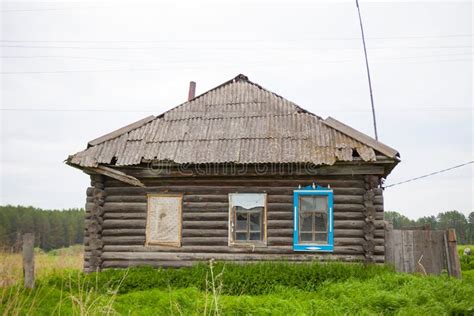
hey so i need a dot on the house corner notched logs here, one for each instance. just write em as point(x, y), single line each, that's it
point(371, 186)
point(94, 221)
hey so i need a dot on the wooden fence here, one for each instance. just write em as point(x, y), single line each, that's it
point(423, 251)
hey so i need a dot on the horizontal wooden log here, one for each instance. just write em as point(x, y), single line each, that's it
point(339, 224)
point(205, 216)
point(346, 169)
point(223, 224)
point(125, 216)
point(149, 263)
point(338, 241)
point(306, 178)
point(224, 198)
point(280, 232)
point(194, 190)
point(198, 248)
point(123, 232)
point(217, 241)
point(205, 232)
point(224, 207)
point(118, 223)
point(177, 264)
point(176, 256)
point(206, 224)
point(123, 240)
point(262, 182)
point(125, 207)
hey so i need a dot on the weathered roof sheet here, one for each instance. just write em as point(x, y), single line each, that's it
point(238, 122)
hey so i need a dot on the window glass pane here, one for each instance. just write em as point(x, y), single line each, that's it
point(254, 236)
point(306, 236)
point(321, 237)
point(306, 223)
point(241, 236)
point(255, 222)
point(313, 203)
point(320, 221)
point(241, 221)
point(306, 203)
point(320, 203)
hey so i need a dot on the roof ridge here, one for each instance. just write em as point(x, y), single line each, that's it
point(240, 78)
point(233, 117)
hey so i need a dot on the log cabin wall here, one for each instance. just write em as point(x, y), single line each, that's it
point(358, 220)
point(93, 224)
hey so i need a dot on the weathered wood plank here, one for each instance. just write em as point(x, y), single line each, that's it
point(124, 216)
point(340, 199)
point(218, 190)
point(176, 256)
point(123, 232)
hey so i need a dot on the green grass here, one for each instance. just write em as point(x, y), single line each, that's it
point(256, 289)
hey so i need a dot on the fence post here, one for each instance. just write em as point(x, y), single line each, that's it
point(388, 227)
point(29, 260)
point(454, 267)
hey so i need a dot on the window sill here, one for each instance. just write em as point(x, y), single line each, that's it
point(163, 244)
point(313, 247)
point(258, 244)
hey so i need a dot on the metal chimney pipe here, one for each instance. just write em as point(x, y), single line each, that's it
point(192, 90)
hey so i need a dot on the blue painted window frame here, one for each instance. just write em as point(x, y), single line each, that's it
point(310, 191)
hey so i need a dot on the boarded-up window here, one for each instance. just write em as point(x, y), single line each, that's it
point(247, 218)
point(164, 220)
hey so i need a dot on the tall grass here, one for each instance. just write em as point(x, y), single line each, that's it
point(50, 263)
point(216, 288)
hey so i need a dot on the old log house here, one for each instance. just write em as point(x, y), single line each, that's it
point(238, 174)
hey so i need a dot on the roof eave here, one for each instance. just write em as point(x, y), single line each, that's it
point(361, 137)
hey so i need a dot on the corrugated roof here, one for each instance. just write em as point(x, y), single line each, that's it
point(238, 122)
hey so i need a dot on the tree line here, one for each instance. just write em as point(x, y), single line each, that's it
point(444, 220)
point(52, 228)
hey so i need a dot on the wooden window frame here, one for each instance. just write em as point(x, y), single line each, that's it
point(150, 242)
point(299, 245)
point(313, 231)
point(233, 242)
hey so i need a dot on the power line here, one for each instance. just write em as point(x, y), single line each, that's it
point(259, 65)
point(223, 48)
point(429, 174)
point(240, 40)
point(71, 110)
point(368, 73)
point(333, 108)
point(194, 61)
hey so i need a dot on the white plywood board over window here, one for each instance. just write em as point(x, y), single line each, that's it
point(164, 220)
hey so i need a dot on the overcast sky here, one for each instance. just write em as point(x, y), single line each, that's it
point(73, 71)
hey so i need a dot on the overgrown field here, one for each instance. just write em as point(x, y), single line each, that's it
point(229, 289)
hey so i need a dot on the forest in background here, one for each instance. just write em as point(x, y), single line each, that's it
point(444, 220)
point(53, 229)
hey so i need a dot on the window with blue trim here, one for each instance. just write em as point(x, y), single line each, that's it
point(313, 219)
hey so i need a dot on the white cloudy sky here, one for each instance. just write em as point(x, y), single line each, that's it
point(72, 71)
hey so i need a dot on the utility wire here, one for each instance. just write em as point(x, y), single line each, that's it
point(368, 73)
point(429, 174)
point(340, 109)
point(222, 48)
point(241, 40)
point(194, 61)
point(260, 65)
